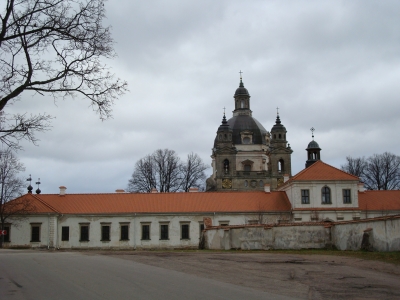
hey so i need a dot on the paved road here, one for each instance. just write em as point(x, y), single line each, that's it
point(36, 275)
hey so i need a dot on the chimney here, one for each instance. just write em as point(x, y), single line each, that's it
point(62, 190)
point(267, 188)
point(120, 191)
point(193, 190)
point(285, 177)
point(154, 190)
point(361, 187)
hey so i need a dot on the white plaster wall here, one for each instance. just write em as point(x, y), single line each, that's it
point(20, 236)
point(20, 233)
point(293, 192)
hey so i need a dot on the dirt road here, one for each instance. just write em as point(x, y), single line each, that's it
point(302, 276)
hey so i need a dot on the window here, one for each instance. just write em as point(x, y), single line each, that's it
point(35, 232)
point(247, 168)
point(7, 235)
point(326, 195)
point(346, 196)
point(84, 237)
point(124, 232)
point(261, 183)
point(223, 223)
point(65, 233)
point(246, 140)
point(281, 166)
point(246, 183)
point(242, 104)
point(184, 231)
point(305, 197)
point(145, 231)
point(164, 232)
point(105, 233)
point(226, 166)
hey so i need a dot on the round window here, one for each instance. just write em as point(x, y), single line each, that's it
point(246, 140)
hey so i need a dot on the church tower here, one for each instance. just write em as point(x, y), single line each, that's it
point(313, 151)
point(244, 157)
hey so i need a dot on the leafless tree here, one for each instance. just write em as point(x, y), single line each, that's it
point(355, 166)
point(143, 178)
point(164, 171)
point(167, 168)
point(382, 172)
point(193, 172)
point(10, 188)
point(377, 172)
point(54, 47)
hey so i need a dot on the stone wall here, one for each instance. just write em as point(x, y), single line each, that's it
point(379, 234)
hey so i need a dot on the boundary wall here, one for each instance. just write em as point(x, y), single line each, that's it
point(376, 234)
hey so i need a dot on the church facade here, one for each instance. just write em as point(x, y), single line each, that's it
point(246, 156)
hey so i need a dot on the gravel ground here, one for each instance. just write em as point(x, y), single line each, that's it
point(301, 276)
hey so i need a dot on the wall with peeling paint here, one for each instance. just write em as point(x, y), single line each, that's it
point(383, 235)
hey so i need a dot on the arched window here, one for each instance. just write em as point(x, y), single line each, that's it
point(281, 166)
point(261, 183)
point(246, 140)
point(246, 183)
point(242, 104)
point(226, 166)
point(326, 195)
point(280, 136)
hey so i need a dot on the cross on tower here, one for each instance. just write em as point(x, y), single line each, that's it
point(312, 131)
point(240, 72)
point(277, 111)
point(224, 110)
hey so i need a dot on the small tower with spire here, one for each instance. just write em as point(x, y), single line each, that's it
point(242, 100)
point(313, 151)
point(280, 153)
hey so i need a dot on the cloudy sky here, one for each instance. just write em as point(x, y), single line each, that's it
point(331, 65)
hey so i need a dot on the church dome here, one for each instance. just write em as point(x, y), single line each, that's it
point(241, 90)
point(313, 145)
point(242, 123)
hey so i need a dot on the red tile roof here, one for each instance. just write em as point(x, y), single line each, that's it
point(379, 200)
point(161, 202)
point(322, 171)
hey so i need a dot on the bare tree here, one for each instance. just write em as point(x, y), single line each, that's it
point(382, 172)
point(193, 172)
point(164, 171)
point(355, 166)
point(377, 172)
point(167, 168)
point(10, 188)
point(143, 178)
point(54, 47)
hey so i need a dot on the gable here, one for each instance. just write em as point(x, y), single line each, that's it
point(322, 171)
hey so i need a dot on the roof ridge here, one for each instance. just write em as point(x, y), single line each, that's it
point(358, 178)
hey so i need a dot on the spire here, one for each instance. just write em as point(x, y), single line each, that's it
point(30, 188)
point(241, 82)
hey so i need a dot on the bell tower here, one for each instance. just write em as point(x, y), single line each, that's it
point(280, 153)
